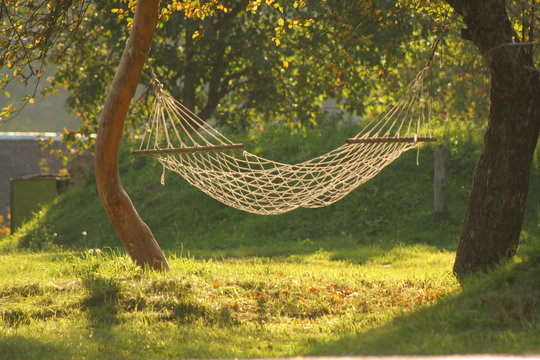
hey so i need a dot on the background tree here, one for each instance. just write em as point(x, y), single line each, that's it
point(244, 64)
point(33, 34)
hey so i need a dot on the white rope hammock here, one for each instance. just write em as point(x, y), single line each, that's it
point(184, 143)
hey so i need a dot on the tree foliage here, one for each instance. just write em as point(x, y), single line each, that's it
point(33, 34)
point(249, 63)
point(253, 63)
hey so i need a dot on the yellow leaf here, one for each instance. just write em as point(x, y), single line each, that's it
point(31, 100)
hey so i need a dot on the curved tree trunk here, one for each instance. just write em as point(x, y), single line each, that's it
point(133, 232)
point(496, 206)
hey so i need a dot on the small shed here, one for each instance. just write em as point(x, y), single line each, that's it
point(30, 192)
point(21, 154)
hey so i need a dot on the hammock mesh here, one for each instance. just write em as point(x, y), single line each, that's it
point(189, 146)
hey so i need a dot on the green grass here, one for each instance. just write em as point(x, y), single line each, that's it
point(100, 305)
point(404, 301)
point(370, 274)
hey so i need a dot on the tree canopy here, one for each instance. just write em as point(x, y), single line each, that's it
point(251, 63)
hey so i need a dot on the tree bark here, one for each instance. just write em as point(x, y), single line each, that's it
point(496, 206)
point(134, 233)
point(189, 86)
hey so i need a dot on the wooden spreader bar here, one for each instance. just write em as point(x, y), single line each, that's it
point(390, 140)
point(188, 149)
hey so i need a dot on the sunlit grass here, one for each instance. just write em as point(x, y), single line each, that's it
point(400, 301)
point(208, 308)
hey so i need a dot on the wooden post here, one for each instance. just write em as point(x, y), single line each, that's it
point(439, 194)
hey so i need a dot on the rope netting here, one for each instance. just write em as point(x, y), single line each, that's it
point(191, 147)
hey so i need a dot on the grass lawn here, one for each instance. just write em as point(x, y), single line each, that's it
point(100, 305)
point(371, 274)
point(403, 301)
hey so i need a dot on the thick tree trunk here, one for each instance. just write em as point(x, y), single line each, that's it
point(133, 232)
point(496, 206)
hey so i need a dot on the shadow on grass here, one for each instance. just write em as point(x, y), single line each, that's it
point(102, 302)
point(20, 347)
point(497, 312)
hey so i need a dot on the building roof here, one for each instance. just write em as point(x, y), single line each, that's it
point(17, 135)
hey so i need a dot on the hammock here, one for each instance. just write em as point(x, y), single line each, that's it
point(184, 143)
